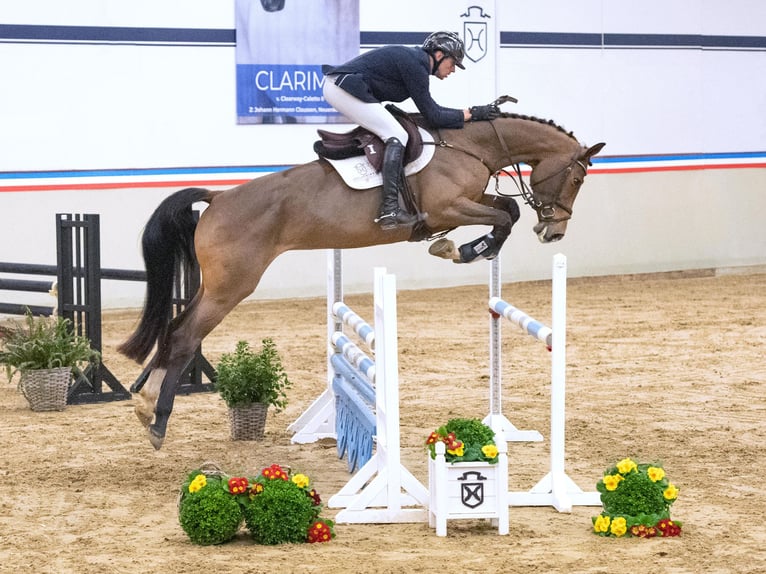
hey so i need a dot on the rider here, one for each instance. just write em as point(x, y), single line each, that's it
point(395, 73)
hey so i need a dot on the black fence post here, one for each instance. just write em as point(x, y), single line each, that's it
point(78, 252)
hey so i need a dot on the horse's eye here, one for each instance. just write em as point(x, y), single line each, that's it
point(577, 181)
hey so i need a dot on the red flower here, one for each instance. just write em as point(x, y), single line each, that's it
point(274, 472)
point(668, 528)
point(643, 531)
point(454, 444)
point(237, 485)
point(319, 532)
point(314, 496)
point(433, 438)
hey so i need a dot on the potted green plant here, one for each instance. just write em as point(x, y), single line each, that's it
point(467, 474)
point(46, 352)
point(250, 382)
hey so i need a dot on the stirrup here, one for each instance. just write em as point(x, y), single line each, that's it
point(395, 219)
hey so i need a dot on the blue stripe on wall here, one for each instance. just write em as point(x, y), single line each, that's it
point(696, 41)
point(114, 35)
point(21, 33)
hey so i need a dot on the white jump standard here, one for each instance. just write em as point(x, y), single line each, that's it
point(555, 488)
point(361, 406)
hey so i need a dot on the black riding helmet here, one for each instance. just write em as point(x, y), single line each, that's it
point(449, 43)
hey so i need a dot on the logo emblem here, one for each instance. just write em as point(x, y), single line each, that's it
point(475, 33)
point(472, 493)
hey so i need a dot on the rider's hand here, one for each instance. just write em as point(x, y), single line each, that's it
point(483, 113)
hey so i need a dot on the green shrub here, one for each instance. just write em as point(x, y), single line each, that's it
point(209, 514)
point(245, 377)
point(281, 512)
point(636, 498)
point(636, 494)
point(472, 433)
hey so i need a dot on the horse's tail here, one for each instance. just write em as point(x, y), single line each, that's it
point(168, 240)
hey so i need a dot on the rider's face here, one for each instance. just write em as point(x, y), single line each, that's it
point(446, 67)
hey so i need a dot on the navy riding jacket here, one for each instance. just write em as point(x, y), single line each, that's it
point(393, 74)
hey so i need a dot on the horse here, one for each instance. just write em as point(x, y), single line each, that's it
point(244, 228)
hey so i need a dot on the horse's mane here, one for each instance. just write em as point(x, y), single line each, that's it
point(538, 120)
point(420, 120)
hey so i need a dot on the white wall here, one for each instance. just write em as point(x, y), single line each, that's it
point(121, 106)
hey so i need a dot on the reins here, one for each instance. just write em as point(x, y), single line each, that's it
point(545, 212)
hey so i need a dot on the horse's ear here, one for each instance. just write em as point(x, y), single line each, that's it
point(593, 150)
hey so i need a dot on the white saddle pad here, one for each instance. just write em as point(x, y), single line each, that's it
point(358, 172)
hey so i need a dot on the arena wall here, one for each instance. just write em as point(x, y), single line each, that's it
point(109, 106)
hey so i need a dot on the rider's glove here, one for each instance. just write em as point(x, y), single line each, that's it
point(483, 113)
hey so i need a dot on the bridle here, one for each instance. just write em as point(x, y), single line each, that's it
point(545, 211)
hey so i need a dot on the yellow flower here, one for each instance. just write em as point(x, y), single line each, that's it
point(458, 451)
point(198, 482)
point(301, 480)
point(619, 526)
point(612, 481)
point(489, 450)
point(626, 465)
point(601, 524)
point(671, 492)
point(655, 473)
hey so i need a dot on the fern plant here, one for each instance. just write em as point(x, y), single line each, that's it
point(43, 343)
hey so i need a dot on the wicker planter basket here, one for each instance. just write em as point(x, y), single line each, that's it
point(46, 389)
point(249, 422)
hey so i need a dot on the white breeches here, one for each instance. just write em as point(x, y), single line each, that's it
point(373, 116)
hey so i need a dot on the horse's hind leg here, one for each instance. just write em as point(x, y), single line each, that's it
point(487, 246)
point(185, 336)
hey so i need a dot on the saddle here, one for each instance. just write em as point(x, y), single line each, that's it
point(361, 141)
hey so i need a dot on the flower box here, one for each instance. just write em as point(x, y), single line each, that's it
point(468, 490)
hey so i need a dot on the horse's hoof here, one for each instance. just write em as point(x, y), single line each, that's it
point(445, 249)
point(155, 439)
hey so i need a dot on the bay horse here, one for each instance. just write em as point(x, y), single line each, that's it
point(244, 228)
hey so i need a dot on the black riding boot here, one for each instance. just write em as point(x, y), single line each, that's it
point(389, 215)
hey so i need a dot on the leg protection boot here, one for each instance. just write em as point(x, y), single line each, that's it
point(389, 215)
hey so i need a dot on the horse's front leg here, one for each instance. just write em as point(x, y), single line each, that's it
point(487, 246)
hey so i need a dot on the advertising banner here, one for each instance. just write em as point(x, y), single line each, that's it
point(281, 47)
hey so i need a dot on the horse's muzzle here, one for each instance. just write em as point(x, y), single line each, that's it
point(547, 232)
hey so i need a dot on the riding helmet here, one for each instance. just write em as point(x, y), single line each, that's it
point(449, 43)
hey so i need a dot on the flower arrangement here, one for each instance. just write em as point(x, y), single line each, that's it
point(636, 500)
point(276, 507)
point(466, 440)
